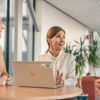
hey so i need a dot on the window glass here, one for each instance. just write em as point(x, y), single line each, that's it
point(25, 31)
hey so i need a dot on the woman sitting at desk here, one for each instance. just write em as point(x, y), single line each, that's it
point(5, 79)
point(64, 63)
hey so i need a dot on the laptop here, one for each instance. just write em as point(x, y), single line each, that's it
point(35, 74)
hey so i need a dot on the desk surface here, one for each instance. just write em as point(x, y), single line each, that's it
point(25, 93)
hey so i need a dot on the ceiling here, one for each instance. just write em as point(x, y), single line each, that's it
point(86, 12)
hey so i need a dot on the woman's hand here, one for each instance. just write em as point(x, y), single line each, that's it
point(9, 81)
point(59, 79)
point(3, 80)
point(6, 80)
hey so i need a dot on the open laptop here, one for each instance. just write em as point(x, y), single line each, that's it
point(35, 74)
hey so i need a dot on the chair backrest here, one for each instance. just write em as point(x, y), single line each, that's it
point(89, 87)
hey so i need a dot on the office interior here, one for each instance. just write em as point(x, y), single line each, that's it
point(27, 22)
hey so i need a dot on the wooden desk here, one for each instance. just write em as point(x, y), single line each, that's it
point(24, 93)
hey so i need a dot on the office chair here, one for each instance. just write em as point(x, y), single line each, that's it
point(89, 87)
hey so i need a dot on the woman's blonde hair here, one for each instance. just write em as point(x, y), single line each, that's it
point(51, 33)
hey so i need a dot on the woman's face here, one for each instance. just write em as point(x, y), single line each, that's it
point(1, 27)
point(58, 41)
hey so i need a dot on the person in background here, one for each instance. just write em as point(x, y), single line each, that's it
point(64, 62)
point(5, 79)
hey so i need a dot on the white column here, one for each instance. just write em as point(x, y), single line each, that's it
point(30, 37)
point(37, 48)
point(33, 15)
point(18, 30)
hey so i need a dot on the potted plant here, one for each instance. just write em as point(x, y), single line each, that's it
point(68, 48)
point(80, 56)
point(93, 57)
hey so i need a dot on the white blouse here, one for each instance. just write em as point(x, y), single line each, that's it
point(65, 63)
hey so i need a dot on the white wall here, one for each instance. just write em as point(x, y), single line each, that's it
point(50, 16)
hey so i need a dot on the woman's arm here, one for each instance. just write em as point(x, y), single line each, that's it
point(70, 75)
point(2, 65)
point(5, 79)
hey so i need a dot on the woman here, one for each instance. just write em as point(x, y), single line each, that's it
point(5, 79)
point(64, 63)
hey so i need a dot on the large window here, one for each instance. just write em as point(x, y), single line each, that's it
point(3, 13)
point(26, 33)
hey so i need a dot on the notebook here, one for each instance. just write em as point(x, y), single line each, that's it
point(35, 74)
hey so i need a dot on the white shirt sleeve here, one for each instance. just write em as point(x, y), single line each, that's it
point(70, 78)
